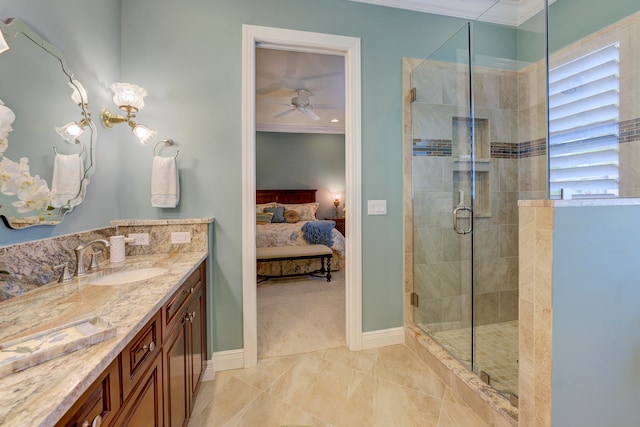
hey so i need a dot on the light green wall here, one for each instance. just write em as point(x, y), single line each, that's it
point(596, 345)
point(302, 160)
point(571, 20)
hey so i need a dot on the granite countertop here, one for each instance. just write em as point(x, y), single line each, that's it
point(42, 394)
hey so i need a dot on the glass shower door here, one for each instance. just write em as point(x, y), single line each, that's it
point(443, 187)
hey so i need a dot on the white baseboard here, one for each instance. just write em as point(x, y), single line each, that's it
point(382, 338)
point(234, 359)
point(227, 360)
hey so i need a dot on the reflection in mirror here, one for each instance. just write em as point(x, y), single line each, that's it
point(47, 138)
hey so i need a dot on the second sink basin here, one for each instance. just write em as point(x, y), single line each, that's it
point(128, 276)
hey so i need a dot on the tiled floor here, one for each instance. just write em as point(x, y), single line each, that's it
point(306, 376)
point(382, 387)
point(496, 351)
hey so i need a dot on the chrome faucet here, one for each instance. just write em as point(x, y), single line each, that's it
point(81, 270)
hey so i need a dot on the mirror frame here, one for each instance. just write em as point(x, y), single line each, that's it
point(12, 28)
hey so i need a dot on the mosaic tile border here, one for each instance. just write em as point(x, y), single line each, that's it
point(499, 150)
point(628, 131)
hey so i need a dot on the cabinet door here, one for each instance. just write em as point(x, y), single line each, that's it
point(176, 387)
point(196, 343)
point(144, 408)
point(100, 401)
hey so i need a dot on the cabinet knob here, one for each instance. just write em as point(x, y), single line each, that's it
point(151, 346)
point(97, 422)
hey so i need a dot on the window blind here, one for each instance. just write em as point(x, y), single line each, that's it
point(583, 125)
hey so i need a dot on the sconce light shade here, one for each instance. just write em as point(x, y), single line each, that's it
point(70, 132)
point(79, 95)
point(144, 134)
point(4, 46)
point(128, 95)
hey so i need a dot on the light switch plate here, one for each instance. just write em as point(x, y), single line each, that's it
point(139, 239)
point(376, 207)
point(180, 237)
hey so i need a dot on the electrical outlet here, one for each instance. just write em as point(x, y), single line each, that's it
point(139, 239)
point(181, 237)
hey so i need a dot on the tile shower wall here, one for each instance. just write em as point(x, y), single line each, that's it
point(442, 270)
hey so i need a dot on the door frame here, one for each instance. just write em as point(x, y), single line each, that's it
point(302, 41)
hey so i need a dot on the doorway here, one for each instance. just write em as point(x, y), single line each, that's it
point(301, 41)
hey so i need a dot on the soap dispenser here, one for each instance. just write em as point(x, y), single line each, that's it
point(117, 248)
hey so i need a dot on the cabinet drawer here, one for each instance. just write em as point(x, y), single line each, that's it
point(172, 309)
point(139, 354)
point(101, 400)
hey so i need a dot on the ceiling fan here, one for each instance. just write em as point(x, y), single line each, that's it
point(299, 103)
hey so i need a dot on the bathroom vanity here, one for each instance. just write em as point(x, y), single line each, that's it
point(148, 374)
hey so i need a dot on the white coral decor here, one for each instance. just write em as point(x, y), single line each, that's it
point(15, 180)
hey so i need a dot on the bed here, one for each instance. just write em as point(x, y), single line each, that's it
point(278, 234)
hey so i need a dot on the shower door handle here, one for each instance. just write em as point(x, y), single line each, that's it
point(455, 220)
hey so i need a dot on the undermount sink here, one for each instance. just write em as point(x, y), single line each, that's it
point(128, 276)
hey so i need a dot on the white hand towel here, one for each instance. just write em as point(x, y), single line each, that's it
point(165, 186)
point(67, 178)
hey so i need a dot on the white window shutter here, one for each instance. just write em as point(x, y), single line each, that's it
point(583, 125)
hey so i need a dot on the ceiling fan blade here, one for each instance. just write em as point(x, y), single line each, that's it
point(324, 106)
point(284, 113)
point(311, 115)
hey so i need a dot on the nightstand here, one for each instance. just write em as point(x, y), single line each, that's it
point(339, 224)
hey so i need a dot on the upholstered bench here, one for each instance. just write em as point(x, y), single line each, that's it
point(289, 253)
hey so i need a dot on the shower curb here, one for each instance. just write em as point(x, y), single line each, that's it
point(489, 405)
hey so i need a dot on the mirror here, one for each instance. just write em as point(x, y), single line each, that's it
point(44, 96)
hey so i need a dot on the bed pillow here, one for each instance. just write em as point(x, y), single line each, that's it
point(261, 206)
point(307, 211)
point(263, 218)
point(291, 216)
point(278, 213)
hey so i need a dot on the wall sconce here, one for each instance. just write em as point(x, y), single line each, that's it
point(72, 130)
point(336, 202)
point(128, 98)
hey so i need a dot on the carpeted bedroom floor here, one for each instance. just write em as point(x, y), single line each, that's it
point(300, 315)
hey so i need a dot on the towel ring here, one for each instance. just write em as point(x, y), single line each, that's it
point(77, 142)
point(167, 143)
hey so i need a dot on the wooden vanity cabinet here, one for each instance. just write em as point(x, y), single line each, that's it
point(154, 380)
point(99, 404)
point(145, 405)
point(184, 353)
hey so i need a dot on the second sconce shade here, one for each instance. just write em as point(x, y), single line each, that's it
point(130, 99)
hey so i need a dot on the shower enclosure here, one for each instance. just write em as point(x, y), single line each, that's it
point(479, 132)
